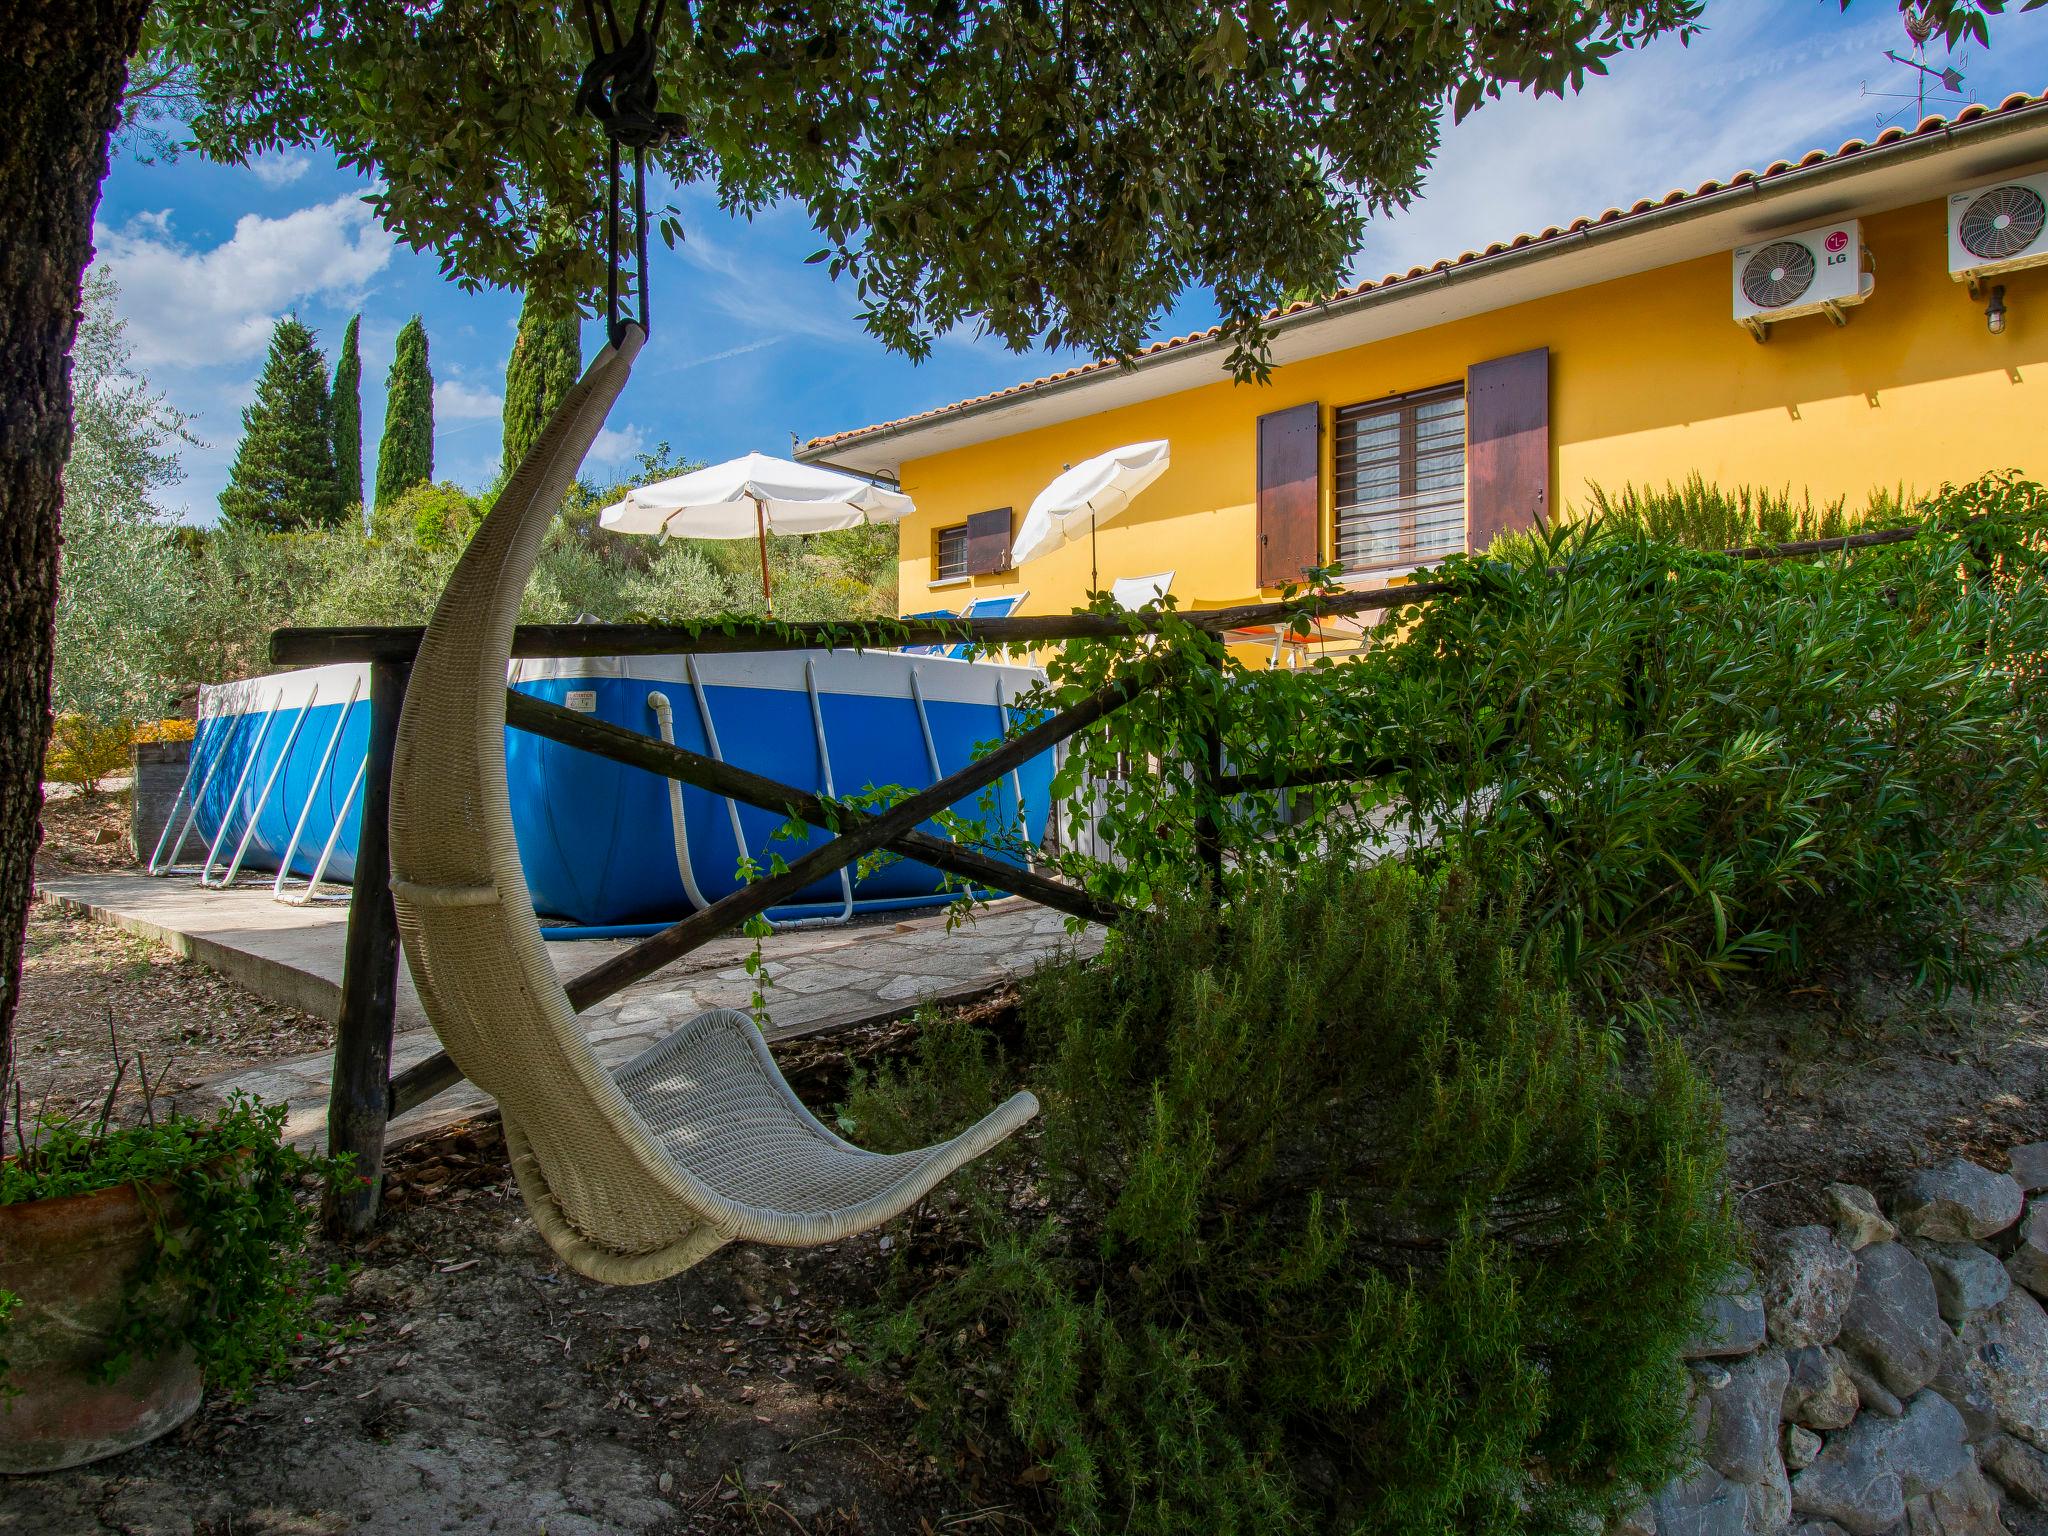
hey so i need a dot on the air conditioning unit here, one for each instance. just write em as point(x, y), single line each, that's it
point(1820, 271)
point(1998, 228)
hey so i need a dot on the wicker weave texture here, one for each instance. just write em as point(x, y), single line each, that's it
point(697, 1141)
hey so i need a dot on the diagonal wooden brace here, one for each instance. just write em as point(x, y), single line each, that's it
point(526, 713)
point(896, 827)
point(878, 830)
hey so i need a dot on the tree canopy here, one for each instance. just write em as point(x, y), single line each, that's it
point(283, 475)
point(547, 355)
point(405, 455)
point(1057, 174)
point(124, 582)
point(346, 407)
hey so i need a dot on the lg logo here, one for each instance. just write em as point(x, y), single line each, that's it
point(1837, 244)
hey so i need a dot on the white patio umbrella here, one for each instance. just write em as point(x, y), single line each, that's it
point(746, 497)
point(1090, 492)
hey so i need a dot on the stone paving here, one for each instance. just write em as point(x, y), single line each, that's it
point(821, 978)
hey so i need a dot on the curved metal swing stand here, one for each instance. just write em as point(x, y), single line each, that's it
point(698, 1141)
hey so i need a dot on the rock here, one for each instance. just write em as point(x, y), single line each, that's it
point(1965, 1385)
point(1702, 1382)
point(1967, 1280)
point(1872, 1394)
point(1742, 1431)
point(1807, 1280)
point(2030, 1166)
point(1893, 1327)
point(1849, 1485)
point(2022, 1470)
point(1858, 1221)
point(1864, 1475)
point(1925, 1446)
point(1819, 1392)
point(1703, 1504)
point(1958, 1202)
point(1639, 1521)
point(2000, 1366)
point(1800, 1448)
point(1967, 1505)
point(1816, 1528)
point(2028, 1263)
point(1732, 1322)
point(1770, 1501)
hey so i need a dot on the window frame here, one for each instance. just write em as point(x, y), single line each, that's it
point(940, 575)
point(1344, 469)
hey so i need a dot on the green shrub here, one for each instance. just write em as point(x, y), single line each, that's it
point(1701, 766)
point(1703, 516)
point(83, 751)
point(1354, 1225)
point(237, 1251)
point(433, 514)
point(1709, 765)
point(243, 583)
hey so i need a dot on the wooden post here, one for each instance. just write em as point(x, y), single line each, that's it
point(1209, 776)
point(1209, 829)
point(358, 1101)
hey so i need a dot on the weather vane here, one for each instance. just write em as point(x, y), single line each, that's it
point(1946, 81)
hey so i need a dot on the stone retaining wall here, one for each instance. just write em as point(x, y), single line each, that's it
point(1887, 1376)
point(157, 773)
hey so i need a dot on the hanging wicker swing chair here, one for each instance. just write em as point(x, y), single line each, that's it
point(635, 1174)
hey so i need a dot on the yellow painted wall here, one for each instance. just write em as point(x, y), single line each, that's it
point(1651, 379)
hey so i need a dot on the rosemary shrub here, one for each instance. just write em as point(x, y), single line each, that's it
point(1354, 1224)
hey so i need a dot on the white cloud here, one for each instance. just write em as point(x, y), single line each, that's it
point(455, 400)
point(778, 295)
point(282, 169)
point(1753, 88)
point(186, 305)
point(616, 445)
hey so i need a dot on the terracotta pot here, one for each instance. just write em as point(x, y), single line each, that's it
point(70, 1260)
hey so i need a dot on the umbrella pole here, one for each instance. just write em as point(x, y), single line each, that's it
point(761, 533)
point(1094, 580)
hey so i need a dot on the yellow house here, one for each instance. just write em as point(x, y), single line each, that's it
point(1425, 412)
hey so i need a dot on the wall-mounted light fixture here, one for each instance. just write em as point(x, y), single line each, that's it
point(1994, 312)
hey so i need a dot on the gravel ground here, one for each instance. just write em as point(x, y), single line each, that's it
point(87, 989)
point(1859, 1077)
point(485, 1388)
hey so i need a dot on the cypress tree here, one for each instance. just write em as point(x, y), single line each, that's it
point(283, 475)
point(405, 457)
point(547, 355)
point(347, 406)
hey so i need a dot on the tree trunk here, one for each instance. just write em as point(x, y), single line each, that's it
point(68, 61)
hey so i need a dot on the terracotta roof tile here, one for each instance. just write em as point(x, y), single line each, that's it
point(1851, 147)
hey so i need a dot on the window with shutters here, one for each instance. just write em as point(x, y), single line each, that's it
point(949, 553)
point(988, 542)
point(1400, 469)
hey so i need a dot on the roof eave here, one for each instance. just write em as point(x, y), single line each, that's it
point(858, 448)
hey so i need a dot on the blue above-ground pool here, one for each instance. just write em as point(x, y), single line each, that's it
point(275, 781)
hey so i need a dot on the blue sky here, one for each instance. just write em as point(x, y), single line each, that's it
point(751, 344)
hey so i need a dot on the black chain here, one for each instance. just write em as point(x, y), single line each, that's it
point(620, 90)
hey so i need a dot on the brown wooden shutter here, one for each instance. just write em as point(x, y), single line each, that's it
point(1290, 504)
point(988, 542)
point(1507, 445)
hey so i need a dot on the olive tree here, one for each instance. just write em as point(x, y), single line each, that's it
point(124, 581)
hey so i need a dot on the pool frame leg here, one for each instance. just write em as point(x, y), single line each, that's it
point(313, 788)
